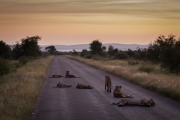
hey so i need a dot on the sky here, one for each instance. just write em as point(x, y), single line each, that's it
point(69, 22)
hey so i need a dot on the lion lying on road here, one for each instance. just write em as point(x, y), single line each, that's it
point(68, 75)
point(56, 76)
point(108, 83)
point(61, 85)
point(82, 86)
point(117, 93)
point(130, 102)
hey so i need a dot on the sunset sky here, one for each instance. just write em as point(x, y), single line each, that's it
point(68, 22)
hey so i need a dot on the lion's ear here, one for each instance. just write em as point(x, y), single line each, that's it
point(120, 86)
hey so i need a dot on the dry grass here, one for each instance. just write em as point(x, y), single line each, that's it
point(19, 90)
point(158, 80)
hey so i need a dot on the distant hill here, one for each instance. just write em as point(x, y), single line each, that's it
point(86, 46)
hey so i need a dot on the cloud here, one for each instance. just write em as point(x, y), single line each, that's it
point(144, 8)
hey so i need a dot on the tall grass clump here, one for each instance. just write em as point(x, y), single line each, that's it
point(23, 60)
point(20, 89)
point(144, 73)
point(146, 68)
point(133, 62)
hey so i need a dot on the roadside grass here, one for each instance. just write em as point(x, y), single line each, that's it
point(19, 90)
point(145, 74)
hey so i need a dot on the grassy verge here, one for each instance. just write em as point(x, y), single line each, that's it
point(145, 74)
point(20, 89)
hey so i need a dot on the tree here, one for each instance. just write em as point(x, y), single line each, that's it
point(160, 44)
point(104, 48)
point(50, 49)
point(110, 50)
point(166, 50)
point(17, 51)
point(170, 56)
point(121, 55)
point(141, 53)
point(74, 52)
point(96, 47)
point(30, 47)
point(115, 51)
point(84, 53)
point(5, 50)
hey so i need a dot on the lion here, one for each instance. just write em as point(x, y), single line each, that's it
point(68, 75)
point(108, 83)
point(117, 93)
point(82, 86)
point(56, 76)
point(61, 85)
point(130, 102)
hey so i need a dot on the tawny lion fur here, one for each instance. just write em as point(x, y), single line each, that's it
point(131, 102)
point(68, 75)
point(56, 76)
point(61, 85)
point(108, 83)
point(82, 86)
point(117, 93)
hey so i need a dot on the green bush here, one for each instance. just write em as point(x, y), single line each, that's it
point(121, 55)
point(88, 56)
point(84, 53)
point(146, 69)
point(5, 66)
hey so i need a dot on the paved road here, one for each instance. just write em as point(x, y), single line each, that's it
point(95, 104)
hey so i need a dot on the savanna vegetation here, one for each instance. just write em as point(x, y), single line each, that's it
point(19, 90)
point(15, 56)
point(22, 72)
point(156, 67)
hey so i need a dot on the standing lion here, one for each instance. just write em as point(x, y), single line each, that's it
point(108, 83)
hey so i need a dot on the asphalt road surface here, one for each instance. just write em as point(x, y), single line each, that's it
point(95, 104)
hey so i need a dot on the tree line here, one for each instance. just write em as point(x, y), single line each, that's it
point(27, 47)
point(24, 50)
point(164, 50)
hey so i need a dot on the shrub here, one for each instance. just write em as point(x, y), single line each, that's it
point(23, 60)
point(133, 62)
point(146, 69)
point(84, 53)
point(121, 55)
point(5, 66)
point(88, 56)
